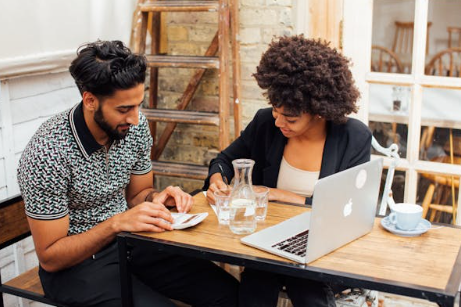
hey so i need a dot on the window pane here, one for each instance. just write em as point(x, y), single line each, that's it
point(388, 117)
point(435, 194)
point(392, 40)
point(441, 121)
point(444, 56)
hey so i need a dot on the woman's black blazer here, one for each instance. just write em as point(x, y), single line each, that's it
point(346, 145)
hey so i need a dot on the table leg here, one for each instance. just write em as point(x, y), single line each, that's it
point(446, 302)
point(124, 254)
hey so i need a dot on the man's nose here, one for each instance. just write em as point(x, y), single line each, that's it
point(133, 118)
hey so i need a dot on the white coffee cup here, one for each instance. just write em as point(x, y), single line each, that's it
point(406, 216)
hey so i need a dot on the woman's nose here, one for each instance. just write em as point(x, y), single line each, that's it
point(279, 121)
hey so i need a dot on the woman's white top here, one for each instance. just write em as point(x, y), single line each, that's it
point(296, 180)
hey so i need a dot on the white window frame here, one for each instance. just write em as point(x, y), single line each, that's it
point(357, 41)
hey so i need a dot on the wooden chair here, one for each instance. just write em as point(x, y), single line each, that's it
point(445, 63)
point(441, 187)
point(403, 42)
point(14, 227)
point(385, 60)
point(426, 141)
point(454, 37)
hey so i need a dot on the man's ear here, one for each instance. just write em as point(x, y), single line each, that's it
point(90, 101)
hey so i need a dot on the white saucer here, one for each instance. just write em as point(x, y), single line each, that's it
point(422, 227)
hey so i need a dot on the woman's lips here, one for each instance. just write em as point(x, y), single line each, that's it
point(285, 131)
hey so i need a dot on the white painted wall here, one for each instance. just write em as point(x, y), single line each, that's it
point(25, 103)
point(43, 35)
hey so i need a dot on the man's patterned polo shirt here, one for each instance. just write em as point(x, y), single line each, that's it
point(63, 170)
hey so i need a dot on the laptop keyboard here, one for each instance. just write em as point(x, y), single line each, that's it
point(294, 245)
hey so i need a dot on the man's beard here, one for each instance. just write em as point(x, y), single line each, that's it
point(113, 134)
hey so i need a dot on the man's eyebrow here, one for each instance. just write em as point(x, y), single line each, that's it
point(129, 106)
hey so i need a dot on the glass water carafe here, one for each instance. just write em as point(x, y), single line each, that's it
point(242, 208)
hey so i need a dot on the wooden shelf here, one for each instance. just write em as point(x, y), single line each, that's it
point(184, 117)
point(173, 169)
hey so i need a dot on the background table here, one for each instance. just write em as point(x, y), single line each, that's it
point(427, 266)
point(440, 107)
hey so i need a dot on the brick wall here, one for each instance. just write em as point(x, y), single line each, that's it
point(190, 34)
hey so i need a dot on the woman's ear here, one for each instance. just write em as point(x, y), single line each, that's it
point(90, 102)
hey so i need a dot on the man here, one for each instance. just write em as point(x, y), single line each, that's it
point(86, 176)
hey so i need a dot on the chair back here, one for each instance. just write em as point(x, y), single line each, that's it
point(445, 63)
point(13, 221)
point(403, 42)
point(454, 37)
point(403, 37)
point(385, 60)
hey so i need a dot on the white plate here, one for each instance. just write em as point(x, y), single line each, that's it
point(422, 227)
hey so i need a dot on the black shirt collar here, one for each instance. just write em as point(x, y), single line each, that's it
point(85, 140)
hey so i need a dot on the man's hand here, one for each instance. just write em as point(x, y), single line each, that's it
point(147, 216)
point(174, 196)
point(216, 183)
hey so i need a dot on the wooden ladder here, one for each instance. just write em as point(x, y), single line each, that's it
point(216, 57)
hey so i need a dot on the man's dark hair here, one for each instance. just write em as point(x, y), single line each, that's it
point(307, 76)
point(103, 67)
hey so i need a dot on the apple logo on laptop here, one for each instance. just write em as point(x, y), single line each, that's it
point(348, 208)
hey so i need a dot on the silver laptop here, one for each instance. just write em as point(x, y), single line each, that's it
point(343, 209)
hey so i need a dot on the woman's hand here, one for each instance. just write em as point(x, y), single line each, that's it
point(216, 183)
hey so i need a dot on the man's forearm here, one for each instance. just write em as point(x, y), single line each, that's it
point(71, 250)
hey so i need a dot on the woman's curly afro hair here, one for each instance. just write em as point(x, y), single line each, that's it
point(307, 76)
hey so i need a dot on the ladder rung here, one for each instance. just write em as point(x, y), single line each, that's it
point(179, 170)
point(185, 117)
point(179, 6)
point(181, 61)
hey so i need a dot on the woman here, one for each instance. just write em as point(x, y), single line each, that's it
point(306, 135)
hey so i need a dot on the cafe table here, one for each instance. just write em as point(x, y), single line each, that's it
point(425, 266)
point(440, 107)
